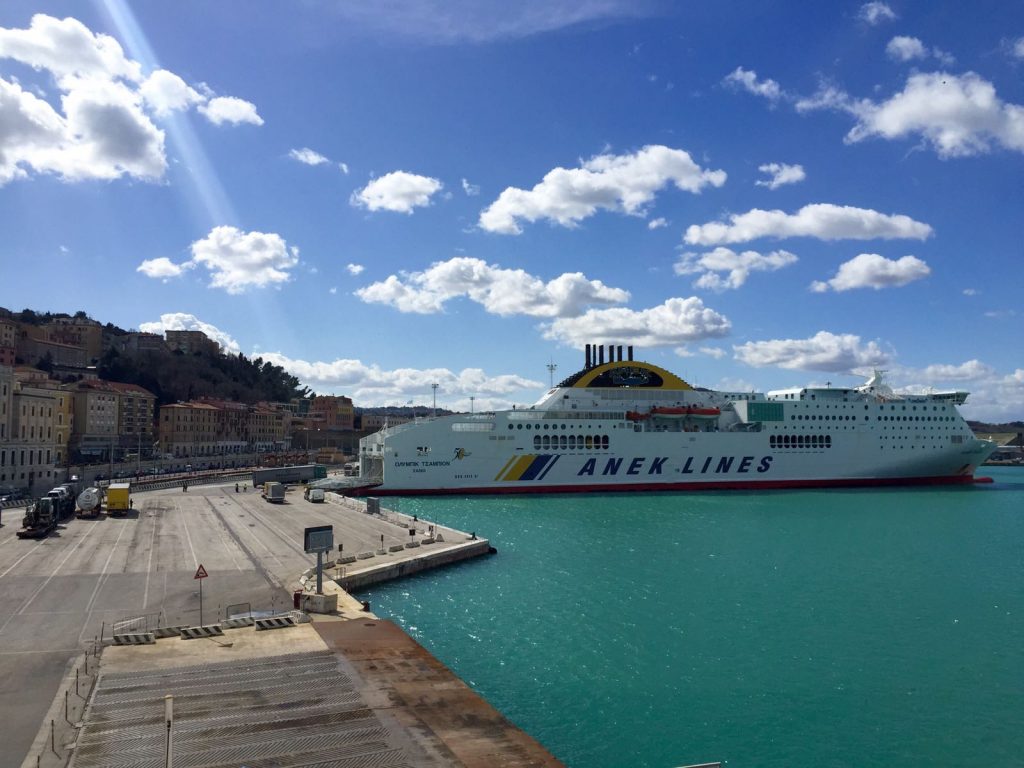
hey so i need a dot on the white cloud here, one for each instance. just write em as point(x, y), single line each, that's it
point(675, 322)
point(781, 174)
point(1018, 48)
point(972, 370)
point(104, 129)
point(343, 167)
point(67, 48)
point(355, 269)
point(307, 156)
point(822, 220)
point(971, 291)
point(822, 352)
point(240, 260)
point(500, 291)
point(716, 352)
point(869, 270)
point(164, 92)
point(746, 79)
point(622, 183)
point(470, 189)
point(902, 48)
point(161, 268)
point(876, 12)
point(370, 385)
point(396, 191)
point(236, 260)
point(229, 109)
point(333, 290)
point(738, 266)
point(657, 223)
point(182, 321)
point(957, 115)
point(454, 21)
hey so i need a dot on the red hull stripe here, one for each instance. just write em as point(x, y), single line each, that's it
point(739, 485)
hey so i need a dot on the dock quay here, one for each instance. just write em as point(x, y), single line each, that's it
point(61, 596)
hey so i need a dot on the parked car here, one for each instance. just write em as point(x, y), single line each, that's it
point(12, 494)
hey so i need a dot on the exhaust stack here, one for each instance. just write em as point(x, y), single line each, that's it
point(588, 357)
point(630, 348)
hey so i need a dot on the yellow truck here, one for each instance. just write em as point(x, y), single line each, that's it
point(119, 498)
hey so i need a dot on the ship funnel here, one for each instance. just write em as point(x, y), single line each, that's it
point(620, 353)
point(600, 354)
point(588, 357)
point(630, 349)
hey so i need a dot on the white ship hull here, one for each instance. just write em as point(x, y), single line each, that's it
point(597, 439)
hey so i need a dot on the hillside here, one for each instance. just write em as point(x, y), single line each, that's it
point(174, 376)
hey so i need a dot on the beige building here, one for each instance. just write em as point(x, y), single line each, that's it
point(190, 342)
point(95, 419)
point(28, 455)
point(188, 429)
point(136, 342)
point(77, 332)
point(9, 332)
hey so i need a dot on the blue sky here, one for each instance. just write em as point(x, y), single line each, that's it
point(381, 196)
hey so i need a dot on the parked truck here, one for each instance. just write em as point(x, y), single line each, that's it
point(295, 474)
point(315, 495)
point(90, 502)
point(40, 518)
point(119, 498)
point(273, 492)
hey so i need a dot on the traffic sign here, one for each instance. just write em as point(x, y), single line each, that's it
point(200, 573)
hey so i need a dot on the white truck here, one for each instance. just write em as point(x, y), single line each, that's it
point(273, 492)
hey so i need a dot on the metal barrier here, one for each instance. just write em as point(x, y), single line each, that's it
point(135, 638)
point(191, 633)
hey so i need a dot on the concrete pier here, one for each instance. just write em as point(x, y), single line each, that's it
point(60, 596)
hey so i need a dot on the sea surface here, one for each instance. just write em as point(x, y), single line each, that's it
point(804, 628)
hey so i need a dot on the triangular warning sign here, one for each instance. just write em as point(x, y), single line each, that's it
point(201, 573)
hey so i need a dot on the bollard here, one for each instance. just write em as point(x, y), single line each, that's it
point(53, 738)
point(66, 706)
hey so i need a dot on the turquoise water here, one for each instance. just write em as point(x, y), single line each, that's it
point(806, 628)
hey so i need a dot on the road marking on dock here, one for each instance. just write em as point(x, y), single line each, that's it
point(149, 565)
point(100, 582)
point(16, 562)
point(49, 578)
point(195, 560)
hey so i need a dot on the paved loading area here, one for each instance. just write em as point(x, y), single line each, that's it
point(58, 594)
point(332, 694)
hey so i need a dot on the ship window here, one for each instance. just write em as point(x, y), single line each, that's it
point(519, 426)
point(547, 441)
point(510, 426)
point(604, 441)
point(572, 441)
point(536, 442)
point(564, 442)
point(590, 441)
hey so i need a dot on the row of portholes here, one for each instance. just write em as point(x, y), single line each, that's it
point(825, 418)
point(800, 441)
point(570, 442)
point(538, 426)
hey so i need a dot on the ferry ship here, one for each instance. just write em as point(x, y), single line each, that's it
point(628, 425)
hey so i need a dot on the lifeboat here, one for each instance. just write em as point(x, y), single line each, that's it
point(684, 412)
point(636, 415)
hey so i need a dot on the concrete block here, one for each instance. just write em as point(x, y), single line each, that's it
point(364, 555)
point(439, 537)
point(412, 545)
point(348, 559)
point(382, 551)
point(314, 603)
point(427, 540)
point(396, 548)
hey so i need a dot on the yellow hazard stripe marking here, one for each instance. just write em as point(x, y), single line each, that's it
point(522, 464)
point(507, 465)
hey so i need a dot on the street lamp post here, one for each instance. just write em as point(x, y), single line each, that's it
point(434, 387)
point(471, 399)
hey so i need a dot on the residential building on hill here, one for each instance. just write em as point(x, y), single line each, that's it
point(190, 342)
